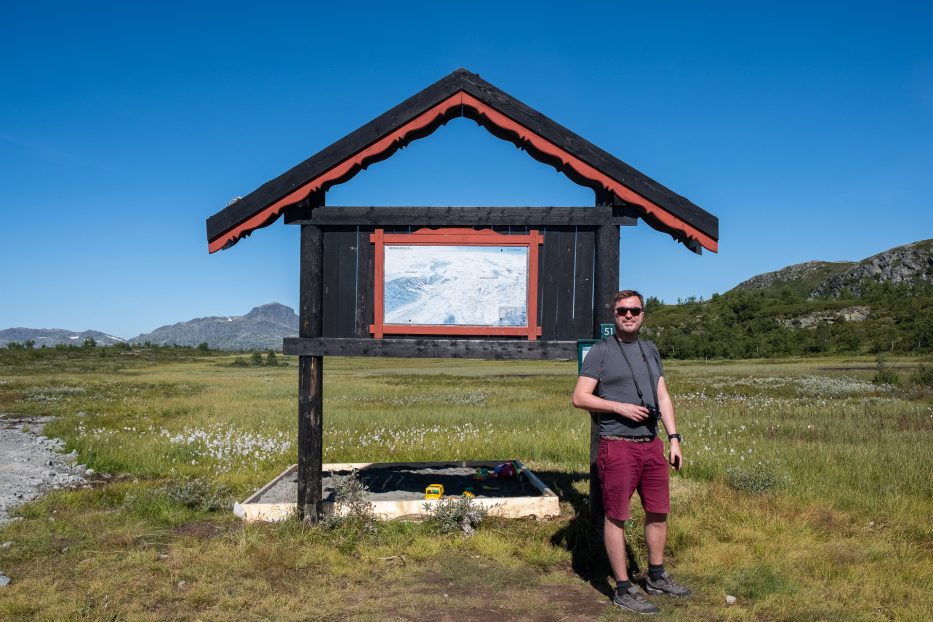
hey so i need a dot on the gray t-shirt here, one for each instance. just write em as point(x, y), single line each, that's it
point(605, 364)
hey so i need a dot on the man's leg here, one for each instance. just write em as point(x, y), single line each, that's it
point(625, 595)
point(655, 496)
point(655, 536)
point(614, 539)
point(659, 581)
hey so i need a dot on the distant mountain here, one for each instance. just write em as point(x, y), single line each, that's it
point(50, 337)
point(908, 264)
point(263, 328)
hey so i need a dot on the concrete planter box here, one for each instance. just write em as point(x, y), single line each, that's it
point(520, 497)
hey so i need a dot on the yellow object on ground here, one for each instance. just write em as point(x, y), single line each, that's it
point(434, 491)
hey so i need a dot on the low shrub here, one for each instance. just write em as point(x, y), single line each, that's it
point(923, 377)
point(451, 515)
point(198, 494)
point(754, 478)
point(352, 508)
point(884, 374)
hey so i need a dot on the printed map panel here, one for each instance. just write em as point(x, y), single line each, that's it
point(456, 285)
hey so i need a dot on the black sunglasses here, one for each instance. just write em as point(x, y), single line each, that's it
point(635, 311)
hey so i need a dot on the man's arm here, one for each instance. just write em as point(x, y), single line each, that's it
point(583, 397)
point(666, 406)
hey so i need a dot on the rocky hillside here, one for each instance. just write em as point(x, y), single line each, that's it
point(800, 278)
point(50, 337)
point(263, 328)
point(909, 264)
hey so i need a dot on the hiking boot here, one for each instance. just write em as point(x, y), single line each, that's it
point(665, 585)
point(633, 599)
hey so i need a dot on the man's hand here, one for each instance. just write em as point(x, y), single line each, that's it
point(631, 411)
point(676, 458)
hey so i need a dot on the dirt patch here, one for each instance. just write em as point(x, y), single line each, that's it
point(452, 599)
point(200, 530)
point(31, 464)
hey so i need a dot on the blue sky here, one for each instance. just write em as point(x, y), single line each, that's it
point(807, 128)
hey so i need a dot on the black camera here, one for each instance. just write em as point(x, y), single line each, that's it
point(653, 411)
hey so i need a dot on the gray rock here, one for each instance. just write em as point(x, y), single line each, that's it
point(911, 263)
point(812, 320)
point(4, 580)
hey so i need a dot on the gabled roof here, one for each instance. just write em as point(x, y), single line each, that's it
point(465, 94)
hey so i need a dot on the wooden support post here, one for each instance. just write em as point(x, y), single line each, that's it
point(607, 284)
point(310, 377)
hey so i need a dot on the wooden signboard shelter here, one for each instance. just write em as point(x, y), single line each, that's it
point(573, 252)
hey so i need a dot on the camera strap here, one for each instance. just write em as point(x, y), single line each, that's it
point(644, 357)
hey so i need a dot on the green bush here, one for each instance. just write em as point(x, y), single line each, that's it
point(352, 508)
point(923, 377)
point(198, 494)
point(884, 374)
point(754, 478)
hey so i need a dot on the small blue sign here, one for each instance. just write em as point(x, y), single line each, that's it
point(583, 348)
point(606, 330)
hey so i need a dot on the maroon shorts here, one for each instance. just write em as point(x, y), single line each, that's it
point(625, 467)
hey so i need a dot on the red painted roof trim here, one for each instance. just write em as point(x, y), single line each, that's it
point(345, 169)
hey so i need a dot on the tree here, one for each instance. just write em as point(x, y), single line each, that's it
point(653, 303)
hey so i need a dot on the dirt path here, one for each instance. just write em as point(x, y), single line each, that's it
point(31, 464)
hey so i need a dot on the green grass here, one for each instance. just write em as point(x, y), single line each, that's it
point(806, 492)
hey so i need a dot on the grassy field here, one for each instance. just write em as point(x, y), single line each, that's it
point(807, 492)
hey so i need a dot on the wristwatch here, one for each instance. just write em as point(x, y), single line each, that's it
point(671, 437)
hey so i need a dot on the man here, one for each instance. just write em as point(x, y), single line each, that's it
point(622, 383)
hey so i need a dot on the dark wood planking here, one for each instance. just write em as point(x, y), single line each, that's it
point(489, 349)
point(311, 283)
point(310, 376)
point(330, 280)
point(556, 320)
point(363, 314)
point(542, 285)
point(566, 238)
point(599, 159)
point(463, 216)
point(347, 282)
point(583, 289)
